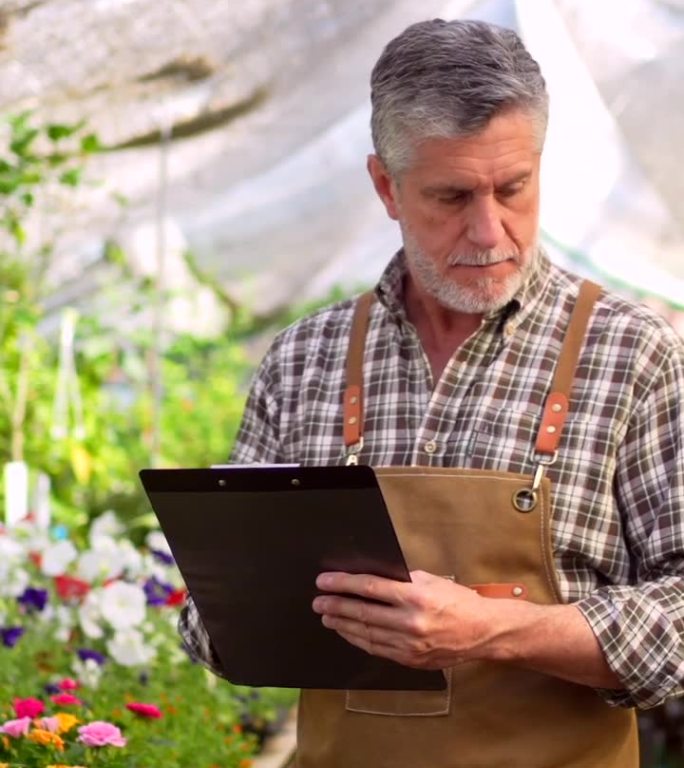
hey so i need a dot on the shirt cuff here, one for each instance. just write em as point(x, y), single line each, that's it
point(641, 645)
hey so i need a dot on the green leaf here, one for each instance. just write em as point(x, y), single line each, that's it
point(90, 143)
point(57, 131)
point(72, 177)
point(22, 141)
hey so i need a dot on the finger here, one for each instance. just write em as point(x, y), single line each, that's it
point(363, 585)
point(360, 611)
point(363, 633)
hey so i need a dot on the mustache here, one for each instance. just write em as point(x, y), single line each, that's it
point(480, 258)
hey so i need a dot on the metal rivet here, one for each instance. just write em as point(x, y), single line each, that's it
point(295, 481)
point(354, 400)
point(550, 430)
point(430, 446)
point(351, 420)
point(517, 591)
point(222, 482)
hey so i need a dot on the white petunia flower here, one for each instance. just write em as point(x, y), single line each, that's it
point(57, 558)
point(14, 582)
point(107, 525)
point(90, 615)
point(157, 541)
point(87, 672)
point(131, 558)
point(123, 605)
point(129, 649)
point(101, 563)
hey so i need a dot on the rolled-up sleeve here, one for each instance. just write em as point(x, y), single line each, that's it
point(196, 640)
point(640, 627)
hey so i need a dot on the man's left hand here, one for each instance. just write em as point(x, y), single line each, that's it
point(428, 623)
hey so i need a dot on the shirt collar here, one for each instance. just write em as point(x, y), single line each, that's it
point(390, 291)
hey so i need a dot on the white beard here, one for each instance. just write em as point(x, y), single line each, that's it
point(478, 296)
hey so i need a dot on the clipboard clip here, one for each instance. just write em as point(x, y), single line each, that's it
point(353, 452)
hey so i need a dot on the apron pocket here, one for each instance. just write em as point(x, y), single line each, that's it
point(401, 703)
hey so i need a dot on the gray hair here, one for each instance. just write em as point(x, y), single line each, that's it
point(450, 78)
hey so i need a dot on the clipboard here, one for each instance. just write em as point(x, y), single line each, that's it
point(249, 543)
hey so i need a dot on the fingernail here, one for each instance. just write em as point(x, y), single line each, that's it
point(318, 605)
point(324, 580)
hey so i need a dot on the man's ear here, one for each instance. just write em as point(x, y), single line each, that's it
point(384, 185)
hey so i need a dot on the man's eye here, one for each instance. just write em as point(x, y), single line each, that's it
point(511, 191)
point(453, 199)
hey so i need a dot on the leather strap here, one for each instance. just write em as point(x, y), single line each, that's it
point(512, 591)
point(353, 394)
point(558, 402)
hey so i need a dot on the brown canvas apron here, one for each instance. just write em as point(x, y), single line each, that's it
point(489, 530)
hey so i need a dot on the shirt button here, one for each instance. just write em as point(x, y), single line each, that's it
point(509, 330)
point(430, 446)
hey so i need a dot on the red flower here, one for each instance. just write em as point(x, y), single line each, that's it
point(64, 699)
point(176, 597)
point(144, 710)
point(69, 588)
point(68, 684)
point(28, 707)
point(36, 558)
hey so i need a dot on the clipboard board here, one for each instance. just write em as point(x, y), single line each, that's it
point(249, 543)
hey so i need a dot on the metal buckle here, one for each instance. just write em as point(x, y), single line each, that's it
point(353, 453)
point(525, 499)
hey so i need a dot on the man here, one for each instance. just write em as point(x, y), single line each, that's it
point(531, 454)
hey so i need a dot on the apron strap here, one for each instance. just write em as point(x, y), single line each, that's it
point(353, 394)
point(558, 402)
point(555, 408)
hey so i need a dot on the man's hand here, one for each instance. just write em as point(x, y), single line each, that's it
point(432, 623)
point(429, 623)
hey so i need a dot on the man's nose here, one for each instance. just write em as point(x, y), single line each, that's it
point(485, 229)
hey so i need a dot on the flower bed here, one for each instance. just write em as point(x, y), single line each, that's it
point(91, 668)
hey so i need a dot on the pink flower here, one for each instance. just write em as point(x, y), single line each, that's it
point(144, 710)
point(16, 728)
point(101, 734)
point(28, 707)
point(48, 724)
point(68, 684)
point(64, 699)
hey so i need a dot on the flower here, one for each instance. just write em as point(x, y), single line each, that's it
point(70, 588)
point(28, 707)
point(107, 525)
point(48, 724)
point(16, 728)
point(33, 599)
point(87, 654)
point(144, 710)
point(162, 557)
point(68, 684)
point(129, 649)
point(101, 734)
point(10, 635)
point(157, 592)
point(46, 738)
point(123, 605)
point(66, 722)
point(57, 557)
point(66, 699)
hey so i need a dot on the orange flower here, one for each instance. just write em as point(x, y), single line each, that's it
point(66, 722)
point(46, 738)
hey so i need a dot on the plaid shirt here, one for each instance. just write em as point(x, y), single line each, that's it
point(618, 483)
